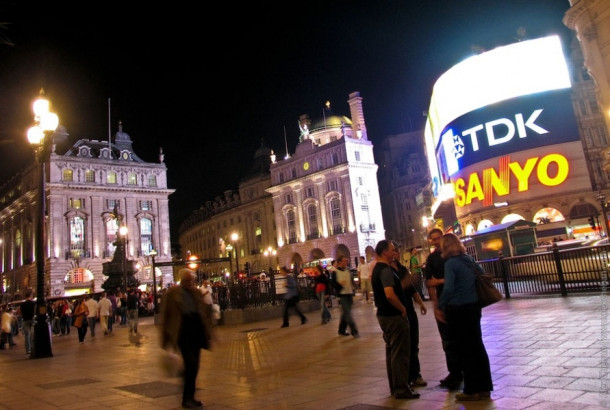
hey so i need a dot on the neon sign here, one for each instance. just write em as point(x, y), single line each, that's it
point(550, 170)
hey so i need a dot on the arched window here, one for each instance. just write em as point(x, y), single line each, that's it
point(512, 218)
point(112, 227)
point(291, 224)
point(146, 243)
point(485, 223)
point(548, 215)
point(312, 220)
point(77, 236)
point(335, 216)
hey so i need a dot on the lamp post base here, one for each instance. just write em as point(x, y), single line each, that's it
point(41, 347)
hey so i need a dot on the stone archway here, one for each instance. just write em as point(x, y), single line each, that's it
point(296, 260)
point(316, 253)
point(342, 250)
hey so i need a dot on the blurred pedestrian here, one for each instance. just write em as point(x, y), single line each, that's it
point(133, 305)
point(81, 311)
point(291, 297)
point(460, 309)
point(104, 308)
point(416, 270)
point(27, 308)
point(346, 297)
point(364, 278)
point(390, 301)
point(186, 325)
point(321, 281)
point(92, 315)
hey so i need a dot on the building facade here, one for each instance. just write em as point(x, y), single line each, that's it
point(90, 186)
point(326, 195)
point(246, 215)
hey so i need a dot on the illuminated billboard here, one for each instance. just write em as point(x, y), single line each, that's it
point(501, 128)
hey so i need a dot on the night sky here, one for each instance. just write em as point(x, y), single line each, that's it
point(207, 85)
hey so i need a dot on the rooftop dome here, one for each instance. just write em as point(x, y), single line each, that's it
point(332, 121)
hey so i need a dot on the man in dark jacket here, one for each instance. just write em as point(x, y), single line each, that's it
point(435, 278)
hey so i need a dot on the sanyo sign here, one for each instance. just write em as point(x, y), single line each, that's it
point(485, 109)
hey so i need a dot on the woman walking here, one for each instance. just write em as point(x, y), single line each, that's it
point(80, 319)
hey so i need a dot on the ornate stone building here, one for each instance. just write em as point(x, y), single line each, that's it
point(90, 186)
point(326, 195)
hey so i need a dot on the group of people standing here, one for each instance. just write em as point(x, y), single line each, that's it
point(450, 279)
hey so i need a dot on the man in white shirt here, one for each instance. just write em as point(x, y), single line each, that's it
point(104, 307)
point(92, 317)
point(364, 277)
point(346, 295)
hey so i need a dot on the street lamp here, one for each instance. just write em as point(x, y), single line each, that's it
point(601, 197)
point(234, 238)
point(152, 254)
point(123, 234)
point(40, 136)
point(270, 252)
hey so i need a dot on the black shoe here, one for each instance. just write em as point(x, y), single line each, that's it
point(284, 325)
point(344, 333)
point(303, 320)
point(407, 396)
point(451, 383)
point(192, 404)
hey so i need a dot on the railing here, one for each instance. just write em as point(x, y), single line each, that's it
point(583, 269)
point(256, 293)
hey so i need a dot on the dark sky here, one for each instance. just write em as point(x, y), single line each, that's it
point(208, 81)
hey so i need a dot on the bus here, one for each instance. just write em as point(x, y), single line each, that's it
point(310, 268)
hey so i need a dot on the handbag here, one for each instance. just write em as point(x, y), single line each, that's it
point(487, 293)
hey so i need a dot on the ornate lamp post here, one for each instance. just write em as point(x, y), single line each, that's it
point(40, 136)
point(123, 234)
point(153, 254)
point(234, 238)
point(601, 197)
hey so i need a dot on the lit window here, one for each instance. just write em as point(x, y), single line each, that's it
point(111, 177)
point(68, 175)
point(90, 175)
point(152, 180)
point(132, 179)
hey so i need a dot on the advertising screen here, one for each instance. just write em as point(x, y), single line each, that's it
point(501, 127)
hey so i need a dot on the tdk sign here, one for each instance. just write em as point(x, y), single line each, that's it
point(478, 135)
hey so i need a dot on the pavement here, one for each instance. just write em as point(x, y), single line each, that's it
point(545, 353)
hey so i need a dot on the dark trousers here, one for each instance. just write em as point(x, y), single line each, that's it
point(292, 303)
point(414, 366)
point(397, 352)
point(189, 342)
point(347, 301)
point(465, 328)
point(82, 331)
point(452, 356)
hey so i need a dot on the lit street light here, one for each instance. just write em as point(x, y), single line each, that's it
point(229, 249)
point(270, 252)
point(123, 236)
point(40, 136)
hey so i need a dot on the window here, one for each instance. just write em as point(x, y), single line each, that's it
point(332, 186)
point(113, 203)
point(281, 177)
point(146, 205)
point(319, 164)
point(367, 225)
point(294, 172)
point(68, 175)
point(77, 203)
point(77, 237)
point(111, 177)
point(146, 236)
point(309, 192)
point(312, 219)
point(89, 175)
point(360, 181)
point(132, 179)
point(152, 180)
point(288, 199)
point(334, 159)
point(112, 227)
point(335, 216)
point(291, 223)
point(357, 153)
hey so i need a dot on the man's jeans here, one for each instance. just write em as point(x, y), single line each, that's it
point(132, 320)
point(28, 334)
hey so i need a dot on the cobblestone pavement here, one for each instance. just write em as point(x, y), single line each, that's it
point(545, 353)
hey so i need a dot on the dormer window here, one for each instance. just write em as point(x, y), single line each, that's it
point(84, 152)
point(126, 155)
